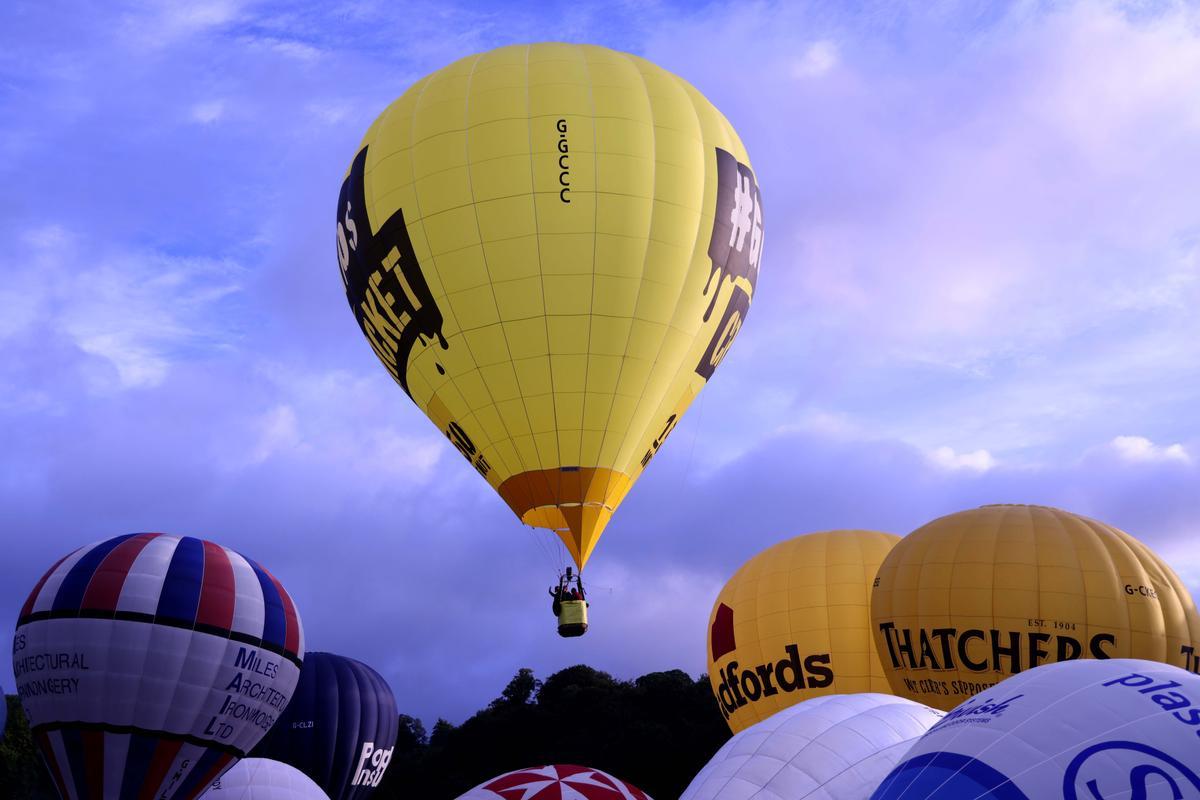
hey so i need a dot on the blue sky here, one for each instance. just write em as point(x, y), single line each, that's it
point(979, 286)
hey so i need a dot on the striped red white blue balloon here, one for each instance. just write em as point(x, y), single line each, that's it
point(149, 663)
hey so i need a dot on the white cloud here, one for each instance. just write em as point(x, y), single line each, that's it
point(140, 311)
point(1141, 449)
point(830, 424)
point(161, 23)
point(329, 113)
point(337, 422)
point(299, 51)
point(1182, 556)
point(400, 456)
point(676, 609)
point(47, 237)
point(21, 297)
point(208, 112)
point(198, 15)
point(818, 59)
point(137, 365)
point(999, 208)
point(975, 461)
point(135, 311)
point(278, 432)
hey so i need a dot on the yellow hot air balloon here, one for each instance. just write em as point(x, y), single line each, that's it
point(551, 247)
point(794, 623)
point(971, 598)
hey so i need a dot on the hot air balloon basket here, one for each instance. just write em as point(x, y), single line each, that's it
point(572, 620)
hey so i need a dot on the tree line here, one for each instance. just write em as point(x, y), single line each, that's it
point(655, 732)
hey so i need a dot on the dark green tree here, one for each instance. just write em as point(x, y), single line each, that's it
point(520, 690)
point(23, 774)
point(655, 732)
point(411, 736)
point(442, 731)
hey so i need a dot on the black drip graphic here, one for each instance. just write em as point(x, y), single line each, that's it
point(735, 248)
point(384, 282)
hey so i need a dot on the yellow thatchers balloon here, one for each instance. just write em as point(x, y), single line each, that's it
point(973, 597)
point(794, 623)
point(551, 247)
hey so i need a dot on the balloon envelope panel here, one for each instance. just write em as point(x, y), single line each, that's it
point(551, 248)
point(147, 663)
point(340, 727)
point(835, 747)
point(974, 597)
point(264, 779)
point(1073, 730)
point(555, 782)
point(794, 622)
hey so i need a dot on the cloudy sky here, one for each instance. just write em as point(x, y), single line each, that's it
point(980, 285)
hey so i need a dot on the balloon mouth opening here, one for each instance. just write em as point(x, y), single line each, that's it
point(554, 498)
point(555, 517)
point(574, 502)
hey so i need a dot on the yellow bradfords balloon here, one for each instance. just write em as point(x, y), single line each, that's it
point(551, 247)
point(794, 623)
point(974, 597)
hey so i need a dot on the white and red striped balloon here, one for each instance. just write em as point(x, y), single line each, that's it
point(149, 663)
point(556, 782)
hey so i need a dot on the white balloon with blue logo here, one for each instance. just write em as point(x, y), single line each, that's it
point(1073, 730)
point(835, 747)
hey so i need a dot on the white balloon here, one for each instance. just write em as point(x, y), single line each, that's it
point(264, 779)
point(1091, 728)
point(835, 747)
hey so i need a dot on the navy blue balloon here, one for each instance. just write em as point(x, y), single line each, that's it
point(339, 729)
